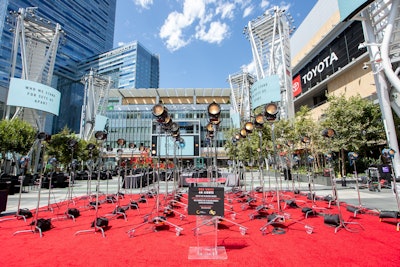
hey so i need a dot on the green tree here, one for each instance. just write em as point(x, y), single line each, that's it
point(357, 123)
point(16, 137)
point(60, 148)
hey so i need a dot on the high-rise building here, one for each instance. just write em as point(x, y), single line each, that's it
point(89, 28)
point(129, 66)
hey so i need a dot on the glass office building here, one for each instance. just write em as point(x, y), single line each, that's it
point(89, 28)
point(129, 66)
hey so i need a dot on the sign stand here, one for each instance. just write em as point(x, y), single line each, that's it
point(206, 232)
point(207, 203)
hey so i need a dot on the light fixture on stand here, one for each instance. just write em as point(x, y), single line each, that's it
point(99, 223)
point(39, 224)
point(353, 156)
point(271, 113)
point(90, 147)
point(336, 219)
point(164, 121)
point(388, 155)
point(118, 210)
point(309, 161)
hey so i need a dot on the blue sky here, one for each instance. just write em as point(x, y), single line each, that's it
point(199, 42)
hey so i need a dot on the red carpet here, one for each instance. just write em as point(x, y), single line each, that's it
point(377, 245)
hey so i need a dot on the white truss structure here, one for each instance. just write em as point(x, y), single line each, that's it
point(269, 36)
point(240, 84)
point(381, 24)
point(95, 102)
point(37, 41)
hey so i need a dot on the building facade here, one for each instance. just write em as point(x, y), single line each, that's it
point(327, 59)
point(129, 66)
point(131, 118)
point(89, 28)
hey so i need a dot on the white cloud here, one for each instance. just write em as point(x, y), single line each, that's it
point(121, 43)
point(143, 3)
point(265, 4)
point(250, 68)
point(247, 11)
point(204, 20)
point(226, 10)
point(172, 29)
point(216, 33)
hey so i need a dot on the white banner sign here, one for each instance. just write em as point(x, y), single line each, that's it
point(28, 94)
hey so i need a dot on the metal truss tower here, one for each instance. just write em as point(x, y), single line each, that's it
point(36, 40)
point(269, 36)
point(381, 23)
point(94, 102)
point(240, 84)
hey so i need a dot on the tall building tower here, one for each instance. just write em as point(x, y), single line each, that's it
point(89, 28)
point(129, 66)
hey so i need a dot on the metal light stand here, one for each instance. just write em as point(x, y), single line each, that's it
point(207, 247)
point(53, 163)
point(118, 210)
point(263, 208)
point(330, 133)
point(271, 112)
point(72, 143)
point(309, 160)
point(34, 224)
point(100, 136)
point(163, 120)
point(388, 153)
point(358, 209)
point(279, 216)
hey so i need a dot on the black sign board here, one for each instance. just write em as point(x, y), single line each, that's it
point(206, 201)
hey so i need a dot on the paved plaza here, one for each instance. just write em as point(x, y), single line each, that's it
point(382, 200)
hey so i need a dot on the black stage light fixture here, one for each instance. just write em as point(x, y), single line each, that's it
point(181, 142)
point(329, 132)
point(121, 142)
point(388, 153)
point(71, 143)
point(176, 136)
point(132, 145)
point(259, 121)
point(305, 139)
point(237, 136)
point(210, 127)
point(100, 135)
point(271, 111)
point(328, 156)
point(210, 135)
point(353, 156)
point(167, 123)
point(160, 112)
point(243, 133)
point(290, 143)
point(90, 146)
point(249, 127)
point(41, 136)
point(174, 127)
point(214, 111)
